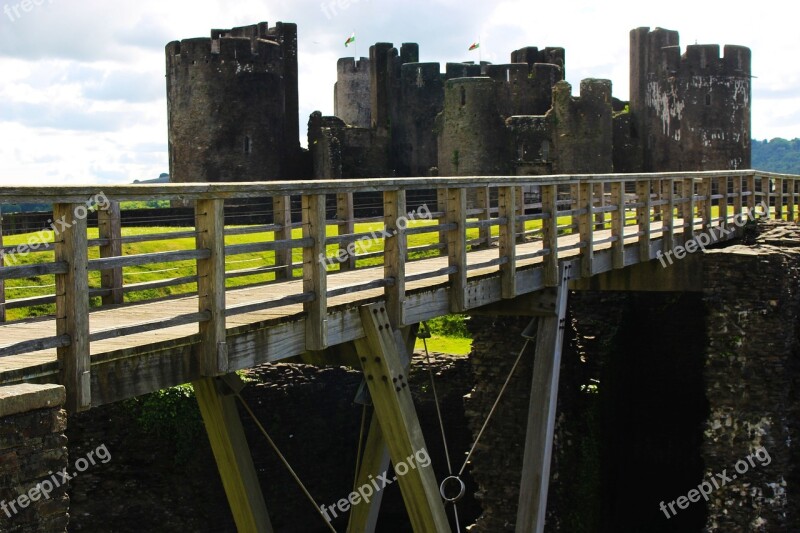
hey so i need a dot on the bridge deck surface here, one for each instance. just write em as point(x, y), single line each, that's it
point(106, 318)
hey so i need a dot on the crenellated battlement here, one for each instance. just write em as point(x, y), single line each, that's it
point(420, 74)
point(349, 65)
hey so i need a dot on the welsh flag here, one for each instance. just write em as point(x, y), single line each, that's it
point(474, 46)
point(350, 39)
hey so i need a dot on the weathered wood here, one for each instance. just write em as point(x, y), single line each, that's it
point(722, 187)
point(507, 208)
point(282, 217)
point(668, 214)
point(550, 234)
point(232, 453)
point(34, 345)
point(751, 188)
point(441, 205)
point(483, 204)
point(689, 215)
point(345, 215)
point(766, 195)
point(618, 223)
point(541, 417)
point(31, 271)
point(707, 203)
point(267, 246)
point(586, 227)
point(457, 247)
point(149, 259)
point(315, 271)
point(394, 262)
point(738, 198)
point(790, 192)
point(778, 199)
point(210, 224)
point(520, 205)
point(109, 225)
point(643, 212)
point(72, 306)
point(387, 381)
point(153, 325)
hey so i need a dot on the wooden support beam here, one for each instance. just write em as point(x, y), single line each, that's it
point(751, 188)
point(484, 204)
point(668, 214)
point(457, 248)
point(542, 416)
point(315, 272)
point(520, 203)
point(689, 206)
point(778, 199)
point(395, 250)
point(441, 205)
point(506, 201)
point(282, 215)
point(375, 461)
point(738, 199)
point(599, 196)
point(345, 215)
point(618, 224)
point(707, 203)
point(586, 227)
point(72, 304)
point(722, 187)
point(388, 386)
point(766, 193)
point(228, 442)
point(643, 218)
point(210, 225)
point(790, 192)
point(109, 225)
point(550, 234)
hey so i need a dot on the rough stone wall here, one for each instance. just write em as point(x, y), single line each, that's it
point(232, 105)
point(752, 379)
point(473, 138)
point(532, 142)
point(32, 448)
point(583, 128)
point(692, 111)
point(351, 101)
point(342, 151)
point(414, 143)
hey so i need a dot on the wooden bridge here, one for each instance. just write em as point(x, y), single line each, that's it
point(513, 247)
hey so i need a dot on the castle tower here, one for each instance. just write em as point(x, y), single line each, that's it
point(232, 105)
point(583, 128)
point(473, 136)
point(352, 98)
point(414, 143)
point(690, 112)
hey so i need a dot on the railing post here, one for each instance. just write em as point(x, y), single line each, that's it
point(643, 218)
point(484, 204)
point(109, 227)
point(314, 272)
point(395, 248)
point(618, 224)
point(778, 199)
point(790, 190)
point(738, 203)
point(209, 215)
point(72, 306)
point(668, 214)
point(766, 193)
point(507, 208)
point(441, 205)
point(520, 203)
point(345, 215)
point(707, 203)
point(457, 248)
point(550, 233)
point(751, 198)
point(586, 227)
point(722, 186)
point(688, 219)
point(282, 216)
point(2, 281)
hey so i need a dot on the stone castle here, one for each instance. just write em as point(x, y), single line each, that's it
point(233, 112)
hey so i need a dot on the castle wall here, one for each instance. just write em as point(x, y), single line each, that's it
point(583, 128)
point(692, 111)
point(531, 139)
point(414, 142)
point(352, 98)
point(227, 106)
point(342, 151)
point(473, 138)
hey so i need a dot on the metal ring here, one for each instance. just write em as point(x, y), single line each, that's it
point(461, 492)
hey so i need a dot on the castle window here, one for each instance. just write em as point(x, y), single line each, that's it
point(248, 146)
point(708, 99)
point(463, 97)
point(508, 74)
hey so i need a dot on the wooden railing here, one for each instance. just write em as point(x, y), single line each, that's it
point(601, 210)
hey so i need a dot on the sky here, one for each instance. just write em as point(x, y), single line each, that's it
point(82, 93)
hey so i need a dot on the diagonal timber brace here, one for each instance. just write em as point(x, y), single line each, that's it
point(387, 380)
point(542, 414)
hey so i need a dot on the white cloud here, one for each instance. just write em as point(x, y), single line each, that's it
point(82, 96)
